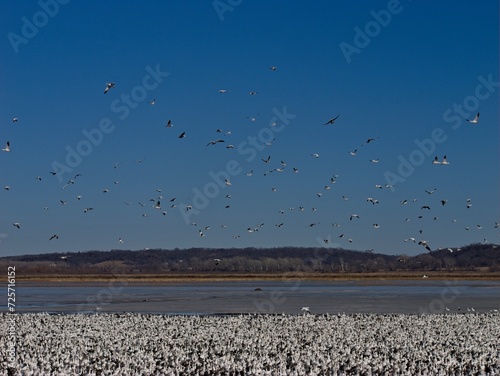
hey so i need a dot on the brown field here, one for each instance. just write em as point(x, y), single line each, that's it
point(230, 277)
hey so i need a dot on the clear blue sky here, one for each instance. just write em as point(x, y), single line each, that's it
point(417, 76)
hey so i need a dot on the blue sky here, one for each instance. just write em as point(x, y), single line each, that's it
point(401, 83)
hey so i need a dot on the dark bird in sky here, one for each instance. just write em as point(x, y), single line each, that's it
point(332, 120)
point(182, 135)
point(214, 142)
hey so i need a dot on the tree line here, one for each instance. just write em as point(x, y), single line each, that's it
point(256, 260)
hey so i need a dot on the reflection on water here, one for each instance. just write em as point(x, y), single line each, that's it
point(261, 297)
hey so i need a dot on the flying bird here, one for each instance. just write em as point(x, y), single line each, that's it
point(475, 120)
point(332, 120)
point(182, 135)
point(214, 142)
point(169, 124)
point(152, 102)
point(7, 147)
point(370, 140)
point(424, 244)
point(18, 225)
point(443, 162)
point(55, 236)
point(251, 118)
point(109, 85)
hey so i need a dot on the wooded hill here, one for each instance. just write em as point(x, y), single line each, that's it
point(474, 257)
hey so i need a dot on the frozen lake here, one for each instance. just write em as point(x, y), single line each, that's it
point(212, 298)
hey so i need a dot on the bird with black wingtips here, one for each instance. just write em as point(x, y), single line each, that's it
point(475, 120)
point(109, 86)
point(425, 244)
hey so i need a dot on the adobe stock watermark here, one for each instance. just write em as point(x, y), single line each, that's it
point(94, 137)
point(31, 26)
point(277, 297)
point(223, 6)
point(105, 295)
point(363, 37)
point(456, 114)
point(249, 148)
point(448, 295)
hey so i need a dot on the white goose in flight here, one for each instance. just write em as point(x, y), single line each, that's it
point(475, 120)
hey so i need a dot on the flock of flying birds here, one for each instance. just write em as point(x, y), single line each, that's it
point(203, 230)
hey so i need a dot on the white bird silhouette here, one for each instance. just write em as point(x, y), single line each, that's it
point(443, 162)
point(475, 120)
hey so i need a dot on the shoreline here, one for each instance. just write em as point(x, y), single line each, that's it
point(252, 277)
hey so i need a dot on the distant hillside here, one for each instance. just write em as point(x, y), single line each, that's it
point(254, 260)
